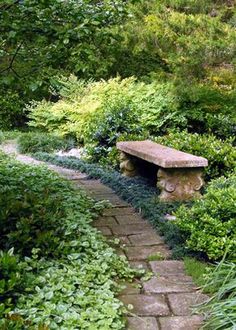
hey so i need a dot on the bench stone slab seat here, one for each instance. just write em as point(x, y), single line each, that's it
point(179, 174)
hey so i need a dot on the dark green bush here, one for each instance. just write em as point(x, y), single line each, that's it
point(11, 110)
point(209, 225)
point(208, 109)
point(32, 202)
point(1, 137)
point(11, 281)
point(33, 141)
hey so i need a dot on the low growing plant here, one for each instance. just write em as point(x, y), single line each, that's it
point(220, 308)
point(68, 274)
point(33, 141)
point(209, 225)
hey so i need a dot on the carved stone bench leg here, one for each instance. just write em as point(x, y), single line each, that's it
point(179, 184)
point(127, 165)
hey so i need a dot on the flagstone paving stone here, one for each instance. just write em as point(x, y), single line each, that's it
point(180, 322)
point(147, 305)
point(146, 238)
point(168, 285)
point(167, 267)
point(145, 252)
point(128, 219)
point(147, 323)
point(181, 303)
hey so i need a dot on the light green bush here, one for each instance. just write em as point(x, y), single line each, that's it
point(209, 225)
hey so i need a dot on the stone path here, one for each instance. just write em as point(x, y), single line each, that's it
point(164, 301)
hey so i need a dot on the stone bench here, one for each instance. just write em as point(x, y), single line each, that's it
point(179, 174)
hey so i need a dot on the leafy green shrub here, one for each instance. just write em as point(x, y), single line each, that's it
point(1, 137)
point(208, 109)
point(209, 225)
point(11, 110)
point(71, 272)
point(11, 281)
point(220, 309)
point(98, 113)
point(221, 155)
point(34, 141)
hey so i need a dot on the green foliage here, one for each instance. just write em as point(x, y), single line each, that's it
point(197, 269)
point(209, 224)
point(11, 281)
point(221, 155)
point(208, 109)
point(67, 272)
point(220, 309)
point(33, 141)
point(57, 37)
point(1, 137)
point(190, 37)
point(11, 110)
point(100, 113)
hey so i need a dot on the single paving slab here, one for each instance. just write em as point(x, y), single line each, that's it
point(164, 301)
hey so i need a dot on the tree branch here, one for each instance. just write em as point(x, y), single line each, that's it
point(10, 66)
point(6, 7)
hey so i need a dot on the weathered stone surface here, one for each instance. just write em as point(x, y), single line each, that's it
point(160, 155)
point(180, 322)
point(92, 183)
point(120, 252)
point(127, 165)
point(113, 199)
point(136, 253)
point(130, 229)
point(118, 211)
point(105, 231)
point(124, 240)
point(167, 285)
point(181, 303)
point(104, 221)
point(167, 267)
point(145, 305)
point(139, 265)
point(179, 184)
point(129, 219)
point(147, 238)
point(130, 288)
point(142, 323)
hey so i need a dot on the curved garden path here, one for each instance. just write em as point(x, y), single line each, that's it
point(164, 301)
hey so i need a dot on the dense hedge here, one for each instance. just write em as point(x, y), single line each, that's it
point(210, 224)
point(56, 271)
